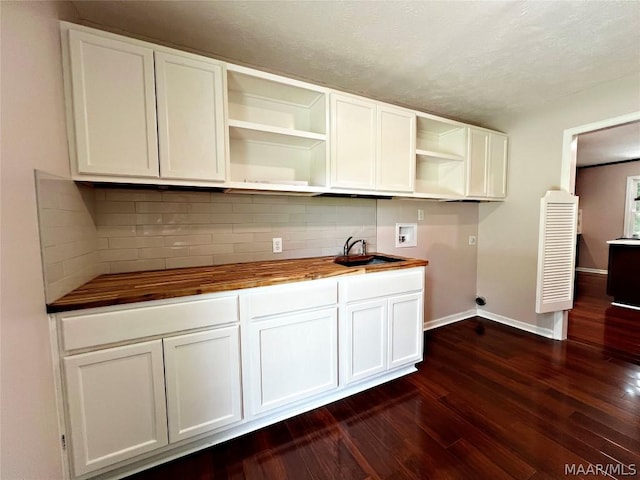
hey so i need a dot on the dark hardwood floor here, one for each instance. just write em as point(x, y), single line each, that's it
point(594, 321)
point(498, 404)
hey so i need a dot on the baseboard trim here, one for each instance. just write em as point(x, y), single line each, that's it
point(456, 317)
point(592, 270)
point(527, 327)
point(626, 305)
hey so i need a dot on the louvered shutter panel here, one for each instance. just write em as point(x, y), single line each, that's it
point(556, 251)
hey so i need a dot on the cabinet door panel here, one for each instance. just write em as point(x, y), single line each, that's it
point(114, 106)
point(203, 381)
point(366, 339)
point(478, 163)
point(116, 404)
point(405, 329)
point(190, 118)
point(293, 357)
point(497, 182)
point(353, 142)
point(396, 149)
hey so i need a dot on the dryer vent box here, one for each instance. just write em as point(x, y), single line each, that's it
point(406, 235)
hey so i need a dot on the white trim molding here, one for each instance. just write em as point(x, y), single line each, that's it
point(527, 327)
point(592, 270)
point(625, 305)
point(456, 317)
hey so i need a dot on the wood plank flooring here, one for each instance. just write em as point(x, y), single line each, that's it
point(594, 321)
point(501, 404)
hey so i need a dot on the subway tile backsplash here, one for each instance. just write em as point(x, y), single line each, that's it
point(86, 231)
point(68, 238)
point(142, 229)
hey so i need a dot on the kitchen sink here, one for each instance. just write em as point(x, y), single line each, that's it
point(360, 260)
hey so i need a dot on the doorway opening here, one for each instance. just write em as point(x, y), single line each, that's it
point(569, 174)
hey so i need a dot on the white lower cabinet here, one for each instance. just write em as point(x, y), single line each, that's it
point(405, 329)
point(383, 322)
point(116, 404)
point(203, 381)
point(366, 339)
point(292, 357)
point(167, 378)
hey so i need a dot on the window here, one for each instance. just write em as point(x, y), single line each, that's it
point(632, 208)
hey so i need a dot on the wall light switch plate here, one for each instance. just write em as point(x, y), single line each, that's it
point(420, 214)
point(277, 245)
point(472, 240)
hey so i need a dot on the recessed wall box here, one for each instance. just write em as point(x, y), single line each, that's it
point(406, 235)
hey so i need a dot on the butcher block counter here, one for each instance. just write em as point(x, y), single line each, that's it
point(123, 288)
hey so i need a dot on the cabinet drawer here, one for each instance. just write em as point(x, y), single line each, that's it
point(374, 285)
point(291, 297)
point(100, 328)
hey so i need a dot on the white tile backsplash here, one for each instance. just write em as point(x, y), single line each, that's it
point(87, 231)
point(68, 234)
point(205, 228)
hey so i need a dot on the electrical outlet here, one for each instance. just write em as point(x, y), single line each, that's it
point(472, 239)
point(277, 245)
point(420, 214)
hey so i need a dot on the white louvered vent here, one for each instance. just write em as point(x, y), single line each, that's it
point(556, 251)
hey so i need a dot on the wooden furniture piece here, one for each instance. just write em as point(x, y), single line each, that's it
point(623, 270)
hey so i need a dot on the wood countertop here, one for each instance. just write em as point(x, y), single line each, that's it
point(123, 288)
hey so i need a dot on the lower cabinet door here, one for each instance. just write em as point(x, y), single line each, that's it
point(116, 404)
point(203, 381)
point(292, 357)
point(405, 329)
point(365, 346)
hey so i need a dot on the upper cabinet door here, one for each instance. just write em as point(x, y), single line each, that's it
point(396, 149)
point(478, 163)
point(190, 117)
point(353, 142)
point(497, 181)
point(114, 106)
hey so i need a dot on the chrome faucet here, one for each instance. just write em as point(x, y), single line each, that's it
point(347, 247)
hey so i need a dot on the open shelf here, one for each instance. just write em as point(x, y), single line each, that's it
point(263, 133)
point(438, 176)
point(262, 159)
point(442, 138)
point(258, 98)
point(277, 131)
point(427, 154)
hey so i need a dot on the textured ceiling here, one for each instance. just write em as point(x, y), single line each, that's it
point(467, 60)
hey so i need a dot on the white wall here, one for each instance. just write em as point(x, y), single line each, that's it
point(508, 232)
point(33, 136)
point(443, 240)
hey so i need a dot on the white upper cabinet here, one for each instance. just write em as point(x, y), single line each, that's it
point(147, 114)
point(372, 145)
point(353, 142)
point(396, 149)
point(190, 117)
point(142, 113)
point(114, 106)
point(487, 164)
point(497, 182)
point(441, 155)
point(277, 131)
